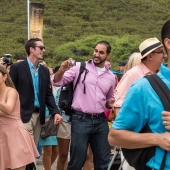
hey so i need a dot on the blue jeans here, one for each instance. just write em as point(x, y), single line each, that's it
point(85, 130)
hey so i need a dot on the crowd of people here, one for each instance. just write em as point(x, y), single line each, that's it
point(29, 92)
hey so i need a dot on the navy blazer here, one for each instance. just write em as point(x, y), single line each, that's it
point(22, 79)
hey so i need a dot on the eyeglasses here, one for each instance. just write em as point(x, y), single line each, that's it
point(41, 47)
point(160, 52)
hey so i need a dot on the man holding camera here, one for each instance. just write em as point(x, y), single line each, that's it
point(94, 93)
point(6, 61)
point(32, 81)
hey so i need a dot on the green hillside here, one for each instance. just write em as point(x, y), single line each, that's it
point(72, 27)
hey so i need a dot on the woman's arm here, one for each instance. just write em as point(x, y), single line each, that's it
point(11, 99)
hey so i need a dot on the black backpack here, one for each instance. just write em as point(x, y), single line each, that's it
point(138, 158)
point(67, 91)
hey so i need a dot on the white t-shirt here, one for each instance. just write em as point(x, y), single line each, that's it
point(100, 70)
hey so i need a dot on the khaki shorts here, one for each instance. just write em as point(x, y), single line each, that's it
point(64, 131)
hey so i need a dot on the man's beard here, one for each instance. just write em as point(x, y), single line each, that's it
point(100, 61)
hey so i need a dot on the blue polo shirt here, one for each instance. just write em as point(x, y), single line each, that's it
point(35, 80)
point(142, 105)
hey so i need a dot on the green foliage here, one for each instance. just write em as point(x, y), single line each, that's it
point(82, 50)
point(72, 27)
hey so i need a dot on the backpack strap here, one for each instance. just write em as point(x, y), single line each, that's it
point(161, 89)
point(164, 94)
point(86, 71)
point(82, 68)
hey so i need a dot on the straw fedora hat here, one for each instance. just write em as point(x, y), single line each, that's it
point(149, 45)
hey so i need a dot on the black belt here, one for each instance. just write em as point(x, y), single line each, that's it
point(93, 116)
point(36, 110)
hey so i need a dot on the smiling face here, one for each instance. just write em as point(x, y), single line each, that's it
point(100, 55)
point(38, 51)
point(158, 56)
point(35, 49)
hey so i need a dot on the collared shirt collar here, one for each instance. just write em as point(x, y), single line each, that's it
point(146, 70)
point(31, 66)
point(91, 62)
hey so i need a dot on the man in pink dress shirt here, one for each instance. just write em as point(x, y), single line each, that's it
point(89, 124)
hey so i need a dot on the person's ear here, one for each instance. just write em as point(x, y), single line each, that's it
point(31, 49)
point(149, 56)
point(5, 77)
point(108, 56)
point(167, 43)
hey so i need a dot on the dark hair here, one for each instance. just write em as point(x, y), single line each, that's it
point(106, 44)
point(31, 43)
point(143, 59)
point(8, 65)
point(165, 33)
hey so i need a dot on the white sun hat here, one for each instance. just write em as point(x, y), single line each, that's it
point(149, 45)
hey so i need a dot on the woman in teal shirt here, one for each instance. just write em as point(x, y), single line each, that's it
point(49, 144)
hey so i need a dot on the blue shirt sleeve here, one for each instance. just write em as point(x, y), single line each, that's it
point(132, 114)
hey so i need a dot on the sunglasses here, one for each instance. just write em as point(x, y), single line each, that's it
point(41, 47)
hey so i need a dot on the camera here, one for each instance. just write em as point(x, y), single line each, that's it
point(72, 62)
point(7, 59)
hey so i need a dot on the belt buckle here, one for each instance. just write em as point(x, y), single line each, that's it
point(93, 116)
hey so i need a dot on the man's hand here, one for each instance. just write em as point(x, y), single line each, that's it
point(64, 67)
point(164, 141)
point(166, 119)
point(1, 61)
point(110, 103)
point(57, 119)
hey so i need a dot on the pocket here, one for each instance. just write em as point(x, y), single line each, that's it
point(78, 118)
